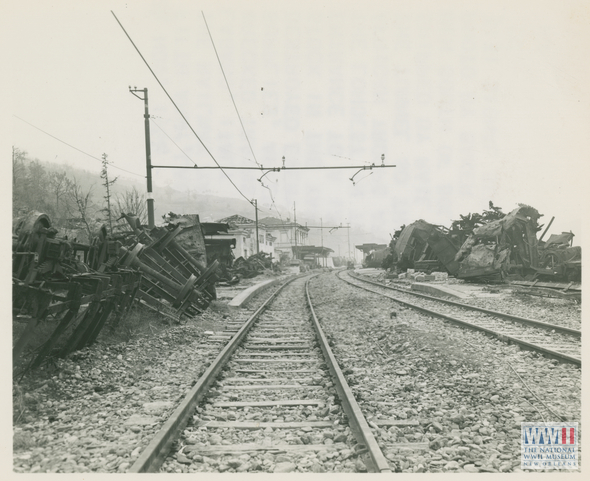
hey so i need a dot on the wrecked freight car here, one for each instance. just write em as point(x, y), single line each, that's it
point(502, 248)
point(558, 259)
point(206, 241)
point(65, 292)
point(426, 247)
point(61, 295)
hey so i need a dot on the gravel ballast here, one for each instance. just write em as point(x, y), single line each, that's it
point(95, 410)
point(467, 391)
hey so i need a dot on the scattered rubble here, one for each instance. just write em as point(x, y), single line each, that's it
point(253, 266)
point(65, 292)
point(504, 248)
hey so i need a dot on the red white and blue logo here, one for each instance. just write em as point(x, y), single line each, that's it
point(549, 446)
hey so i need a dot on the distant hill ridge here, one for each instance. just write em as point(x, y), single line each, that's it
point(210, 208)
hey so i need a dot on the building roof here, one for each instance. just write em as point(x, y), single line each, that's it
point(274, 222)
point(322, 251)
point(371, 247)
point(210, 228)
point(236, 219)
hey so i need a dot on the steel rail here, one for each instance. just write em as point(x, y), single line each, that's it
point(510, 317)
point(155, 453)
point(356, 419)
point(503, 337)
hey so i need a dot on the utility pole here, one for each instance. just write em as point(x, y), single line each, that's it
point(257, 242)
point(348, 225)
point(322, 238)
point(148, 154)
point(294, 222)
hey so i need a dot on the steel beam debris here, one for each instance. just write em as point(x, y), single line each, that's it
point(506, 248)
point(65, 292)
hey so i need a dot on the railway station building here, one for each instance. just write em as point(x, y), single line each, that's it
point(288, 235)
point(244, 231)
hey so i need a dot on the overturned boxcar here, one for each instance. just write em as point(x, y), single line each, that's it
point(426, 247)
point(64, 292)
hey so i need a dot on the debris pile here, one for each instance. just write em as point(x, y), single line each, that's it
point(503, 248)
point(255, 264)
point(65, 292)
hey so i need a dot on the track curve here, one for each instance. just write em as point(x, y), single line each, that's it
point(553, 341)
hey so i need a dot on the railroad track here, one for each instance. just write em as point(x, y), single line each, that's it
point(273, 397)
point(554, 341)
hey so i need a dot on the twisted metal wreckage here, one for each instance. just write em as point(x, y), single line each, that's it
point(506, 248)
point(64, 292)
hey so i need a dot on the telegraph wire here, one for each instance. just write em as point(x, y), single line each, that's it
point(236, 109)
point(179, 111)
point(229, 90)
point(75, 148)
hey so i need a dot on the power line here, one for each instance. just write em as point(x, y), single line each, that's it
point(278, 169)
point(187, 156)
point(75, 148)
point(179, 111)
point(229, 89)
point(236, 109)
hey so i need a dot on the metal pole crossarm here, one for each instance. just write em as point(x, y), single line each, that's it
point(273, 169)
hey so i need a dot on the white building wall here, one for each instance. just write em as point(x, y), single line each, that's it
point(246, 242)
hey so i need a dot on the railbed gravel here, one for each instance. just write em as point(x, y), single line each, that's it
point(562, 312)
point(466, 390)
point(338, 452)
point(96, 410)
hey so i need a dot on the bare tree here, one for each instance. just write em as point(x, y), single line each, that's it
point(131, 202)
point(58, 182)
point(104, 175)
point(82, 201)
point(19, 179)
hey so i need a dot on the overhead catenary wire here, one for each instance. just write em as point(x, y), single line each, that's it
point(229, 89)
point(171, 140)
point(179, 111)
point(237, 111)
point(75, 148)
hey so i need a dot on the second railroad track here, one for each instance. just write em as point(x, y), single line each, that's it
point(551, 340)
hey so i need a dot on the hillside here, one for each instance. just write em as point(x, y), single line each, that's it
point(209, 207)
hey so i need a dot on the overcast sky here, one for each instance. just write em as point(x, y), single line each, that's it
point(472, 101)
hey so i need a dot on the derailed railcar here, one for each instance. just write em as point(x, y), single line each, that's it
point(558, 259)
point(60, 304)
point(65, 292)
point(426, 247)
point(502, 247)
